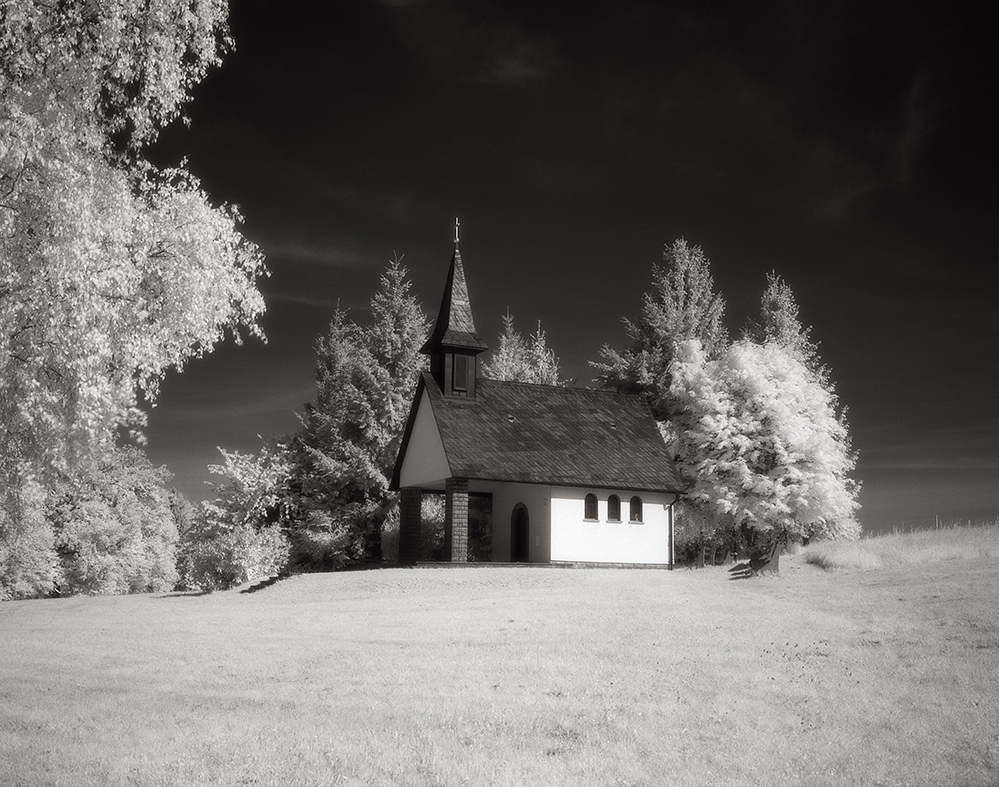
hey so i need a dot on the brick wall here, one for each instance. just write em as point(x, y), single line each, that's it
point(456, 520)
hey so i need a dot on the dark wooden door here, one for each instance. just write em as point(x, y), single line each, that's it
point(521, 535)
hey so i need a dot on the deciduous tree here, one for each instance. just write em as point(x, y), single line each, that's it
point(760, 434)
point(115, 531)
point(240, 535)
point(111, 270)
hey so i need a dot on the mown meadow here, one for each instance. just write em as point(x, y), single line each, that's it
point(515, 676)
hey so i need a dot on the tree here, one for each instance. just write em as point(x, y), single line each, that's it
point(350, 436)
point(115, 531)
point(779, 323)
point(29, 564)
point(111, 271)
point(760, 433)
point(239, 536)
point(756, 425)
point(528, 360)
point(682, 304)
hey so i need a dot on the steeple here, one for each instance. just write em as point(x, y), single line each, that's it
point(453, 345)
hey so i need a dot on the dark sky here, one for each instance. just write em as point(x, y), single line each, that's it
point(848, 145)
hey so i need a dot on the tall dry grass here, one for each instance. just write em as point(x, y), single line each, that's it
point(899, 548)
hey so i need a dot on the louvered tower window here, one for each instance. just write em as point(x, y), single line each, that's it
point(460, 382)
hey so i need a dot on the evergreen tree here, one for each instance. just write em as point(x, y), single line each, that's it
point(350, 435)
point(779, 323)
point(528, 360)
point(682, 304)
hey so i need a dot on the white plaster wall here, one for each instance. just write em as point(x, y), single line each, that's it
point(537, 499)
point(425, 464)
point(575, 539)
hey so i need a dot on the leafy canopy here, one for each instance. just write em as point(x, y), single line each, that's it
point(756, 425)
point(112, 271)
point(760, 434)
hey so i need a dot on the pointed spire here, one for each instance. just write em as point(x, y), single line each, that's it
point(455, 326)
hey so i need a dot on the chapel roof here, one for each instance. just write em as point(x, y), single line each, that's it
point(545, 434)
point(455, 326)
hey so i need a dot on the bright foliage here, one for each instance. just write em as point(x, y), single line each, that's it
point(682, 304)
point(522, 360)
point(756, 425)
point(111, 271)
point(760, 434)
point(115, 530)
point(239, 536)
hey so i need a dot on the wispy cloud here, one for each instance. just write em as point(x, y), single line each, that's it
point(333, 256)
point(499, 51)
point(239, 404)
point(328, 303)
point(513, 59)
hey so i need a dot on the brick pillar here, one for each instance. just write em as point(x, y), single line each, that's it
point(410, 500)
point(456, 520)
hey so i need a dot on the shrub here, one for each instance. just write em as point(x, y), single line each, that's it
point(115, 531)
point(321, 544)
point(233, 556)
point(29, 565)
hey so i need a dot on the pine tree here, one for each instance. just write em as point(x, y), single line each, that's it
point(779, 322)
point(528, 360)
point(350, 435)
point(681, 305)
point(508, 361)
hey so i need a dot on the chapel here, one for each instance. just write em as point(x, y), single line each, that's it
point(573, 475)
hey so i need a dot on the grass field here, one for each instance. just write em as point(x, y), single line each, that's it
point(953, 542)
point(514, 677)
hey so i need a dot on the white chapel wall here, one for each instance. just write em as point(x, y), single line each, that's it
point(425, 464)
point(577, 540)
point(506, 496)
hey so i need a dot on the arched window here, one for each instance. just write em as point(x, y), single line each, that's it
point(590, 507)
point(635, 514)
point(613, 508)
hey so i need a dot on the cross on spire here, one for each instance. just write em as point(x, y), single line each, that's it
point(457, 227)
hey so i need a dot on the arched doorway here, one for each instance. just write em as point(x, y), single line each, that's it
point(520, 532)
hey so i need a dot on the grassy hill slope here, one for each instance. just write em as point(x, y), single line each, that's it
point(514, 676)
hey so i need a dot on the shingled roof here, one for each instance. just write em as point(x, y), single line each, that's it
point(455, 326)
point(544, 434)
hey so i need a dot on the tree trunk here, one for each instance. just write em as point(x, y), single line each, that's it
point(770, 559)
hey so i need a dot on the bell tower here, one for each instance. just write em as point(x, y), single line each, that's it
point(453, 345)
